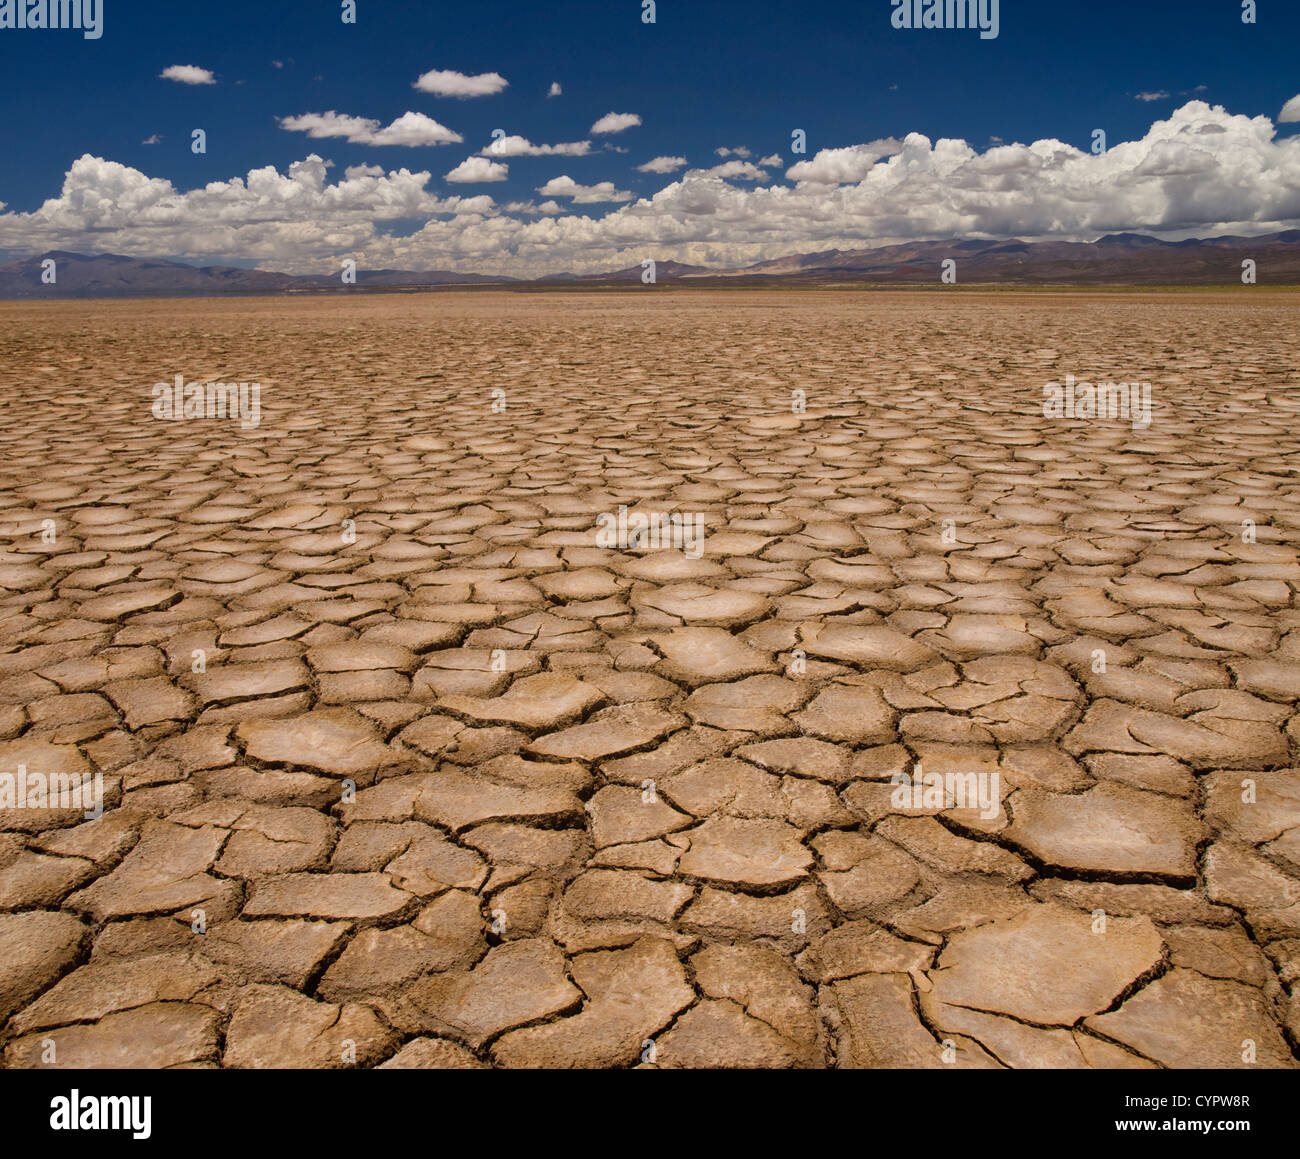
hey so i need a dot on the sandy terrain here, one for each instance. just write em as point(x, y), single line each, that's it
point(404, 762)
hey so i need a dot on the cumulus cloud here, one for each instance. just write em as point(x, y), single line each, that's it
point(739, 151)
point(615, 123)
point(290, 220)
point(745, 170)
point(1156, 96)
point(155, 139)
point(771, 161)
point(662, 165)
point(188, 74)
point(331, 124)
point(410, 129)
point(447, 83)
point(522, 147)
point(474, 169)
point(839, 166)
point(532, 209)
point(1201, 171)
point(555, 90)
point(1290, 112)
point(415, 129)
point(583, 194)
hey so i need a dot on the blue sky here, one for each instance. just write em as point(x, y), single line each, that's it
point(708, 74)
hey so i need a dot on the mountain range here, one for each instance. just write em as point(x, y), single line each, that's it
point(1116, 259)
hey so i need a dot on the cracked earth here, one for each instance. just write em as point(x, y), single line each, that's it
point(452, 785)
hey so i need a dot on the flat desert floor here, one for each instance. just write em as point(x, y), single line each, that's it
point(961, 735)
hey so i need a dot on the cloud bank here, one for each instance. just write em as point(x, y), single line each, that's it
point(1201, 171)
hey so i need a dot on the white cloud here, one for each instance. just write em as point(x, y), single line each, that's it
point(410, 129)
point(352, 172)
point(532, 209)
point(583, 194)
point(742, 169)
point(156, 139)
point(555, 90)
point(331, 124)
point(522, 147)
point(1290, 112)
point(772, 160)
point(415, 129)
point(839, 166)
point(662, 165)
point(288, 221)
point(1156, 96)
point(1201, 171)
point(739, 151)
point(446, 83)
point(615, 123)
point(474, 169)
point(188, 74)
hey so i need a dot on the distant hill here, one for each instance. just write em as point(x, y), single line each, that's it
point(400, 278)
point(114, 276)
point(111, 276)
point(1116, 259)
point(669, 271)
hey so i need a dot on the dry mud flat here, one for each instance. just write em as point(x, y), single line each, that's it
point(402, 767)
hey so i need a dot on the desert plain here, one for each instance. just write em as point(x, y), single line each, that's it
point(402, 765)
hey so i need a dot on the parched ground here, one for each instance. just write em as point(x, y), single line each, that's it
point(453, 785)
